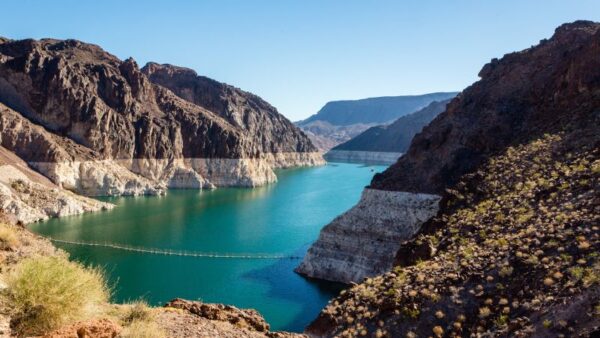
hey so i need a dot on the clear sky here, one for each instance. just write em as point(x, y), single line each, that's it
point(300, 54)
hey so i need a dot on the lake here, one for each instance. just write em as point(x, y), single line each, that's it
point(280, 219)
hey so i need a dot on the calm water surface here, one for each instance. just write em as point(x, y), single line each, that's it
point(282, 218)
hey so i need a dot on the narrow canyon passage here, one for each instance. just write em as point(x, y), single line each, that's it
point(277, 221)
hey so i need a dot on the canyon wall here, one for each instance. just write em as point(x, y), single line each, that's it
point(363, 241)
point(521, 97)
point(97, 125)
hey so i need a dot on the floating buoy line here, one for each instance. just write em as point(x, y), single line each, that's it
point(169, 252)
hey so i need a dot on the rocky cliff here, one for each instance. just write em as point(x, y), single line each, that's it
point(339, 121)
point(363, 241)
point(520, 97)
point(27, 196)
point(97, 125)
point(512, 250)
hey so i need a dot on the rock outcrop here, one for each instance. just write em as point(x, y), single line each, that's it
point(28, 196)
point(519, 98)
point(363, 241)
point(512, 251)
point(96, 125)
point(339, 121)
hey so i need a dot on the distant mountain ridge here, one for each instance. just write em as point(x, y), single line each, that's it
point(339, 121)
point(374, 109)
point(394, 137)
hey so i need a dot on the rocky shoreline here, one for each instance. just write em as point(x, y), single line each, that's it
point(363, 241)
point(359, 156)
point(95, 125)
point(154, 176)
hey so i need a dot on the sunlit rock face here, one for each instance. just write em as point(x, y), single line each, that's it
point(97, 125)
point(363, 241)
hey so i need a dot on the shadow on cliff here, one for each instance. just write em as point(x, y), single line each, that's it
point(296, 289)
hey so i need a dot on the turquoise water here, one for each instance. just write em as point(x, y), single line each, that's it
point(282, 218)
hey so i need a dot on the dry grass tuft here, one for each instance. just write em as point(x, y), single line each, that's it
point(8, 237)
point(138, 310)
point(143, 329)
point(48, 292)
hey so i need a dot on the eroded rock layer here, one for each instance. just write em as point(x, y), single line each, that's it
point(521, 97)
point(97, 125)
point(363, 241)
point(28, 196)
point(513, 250)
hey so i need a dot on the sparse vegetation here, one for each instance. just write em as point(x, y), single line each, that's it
point(47, 292)
point(8, 237)
point(530, 243)
point(137, 311)
point(143, 329)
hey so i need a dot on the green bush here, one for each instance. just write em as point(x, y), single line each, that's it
point(48, 292)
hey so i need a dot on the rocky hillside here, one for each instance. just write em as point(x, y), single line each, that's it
point(339, 121)
point(513, 248)
point(28, 196)
point(394, 137)
point(491, 115)
point(519, 98)
point(513, 253)
point(269, 129)
point(97, 125)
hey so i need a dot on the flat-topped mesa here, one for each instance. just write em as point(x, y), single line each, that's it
point(519, 98)
point(97, 125)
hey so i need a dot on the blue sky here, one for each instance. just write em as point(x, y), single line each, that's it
point(300, 54)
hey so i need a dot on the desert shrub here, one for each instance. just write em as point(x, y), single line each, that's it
point(138, 311)
point(8, 237)
point(143, 329)
point(47, 292)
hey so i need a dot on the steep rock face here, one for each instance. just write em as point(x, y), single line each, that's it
point(512, 253)
point(513, 250)
point(269, 129)
point(339, 121)
point(97, 125)
point(519, 98)
point(394, 137)
point(28, 196)
point(363, 241)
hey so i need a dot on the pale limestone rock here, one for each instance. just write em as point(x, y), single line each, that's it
point(379, 157)
point(31, 200)
point(153, 176)
point(363, 241)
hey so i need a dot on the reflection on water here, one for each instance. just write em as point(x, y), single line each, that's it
point(281, 218)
